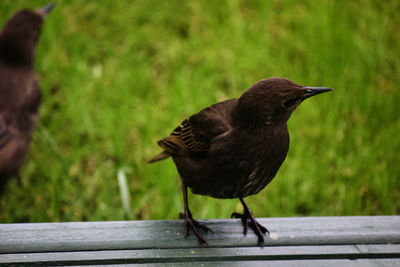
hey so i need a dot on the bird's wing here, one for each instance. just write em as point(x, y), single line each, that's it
point(16, 126)
point(6, 134)
point(195, 134)
point(21, 121)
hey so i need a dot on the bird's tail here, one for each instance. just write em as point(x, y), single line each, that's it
point(161, 156)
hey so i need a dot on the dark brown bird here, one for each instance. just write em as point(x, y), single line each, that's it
point(234, 148)
point(20, 94)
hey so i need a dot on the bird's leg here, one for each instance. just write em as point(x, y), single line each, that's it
point(249, 220)
point(191, 223)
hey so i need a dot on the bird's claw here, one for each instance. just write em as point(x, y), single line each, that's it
point(249, 220)
point(245, 221)
point(194, 225)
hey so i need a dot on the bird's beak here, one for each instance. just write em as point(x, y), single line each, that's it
point(46, 9)
point(312, 91)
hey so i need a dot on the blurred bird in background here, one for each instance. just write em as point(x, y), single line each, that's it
point(233, 149)
point(20, 93)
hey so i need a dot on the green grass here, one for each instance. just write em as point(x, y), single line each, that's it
point(119, 75)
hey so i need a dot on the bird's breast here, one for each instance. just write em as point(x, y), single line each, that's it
point(269, 156)
point(241, 166)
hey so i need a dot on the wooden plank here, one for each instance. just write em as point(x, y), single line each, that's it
point(280, 263)
point(283, 263)
point(189, 255)
point(86, 236)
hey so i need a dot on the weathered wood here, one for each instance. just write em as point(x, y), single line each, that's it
point(78, 236)
point(343, 241)
point(292, 253)
point(297, 263)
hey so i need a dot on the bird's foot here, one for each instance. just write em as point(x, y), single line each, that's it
point(249, 220)
point(194, 225)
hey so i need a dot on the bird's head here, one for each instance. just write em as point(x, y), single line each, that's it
point(20, 34)
point(273, 100)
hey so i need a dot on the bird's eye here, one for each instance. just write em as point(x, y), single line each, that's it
point(289, 102)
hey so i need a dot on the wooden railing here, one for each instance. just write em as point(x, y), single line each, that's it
point(306, 241)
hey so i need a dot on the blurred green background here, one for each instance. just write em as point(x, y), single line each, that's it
point(119, 75)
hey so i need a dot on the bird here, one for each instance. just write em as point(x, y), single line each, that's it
point(234, 148)
point(20, 92)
